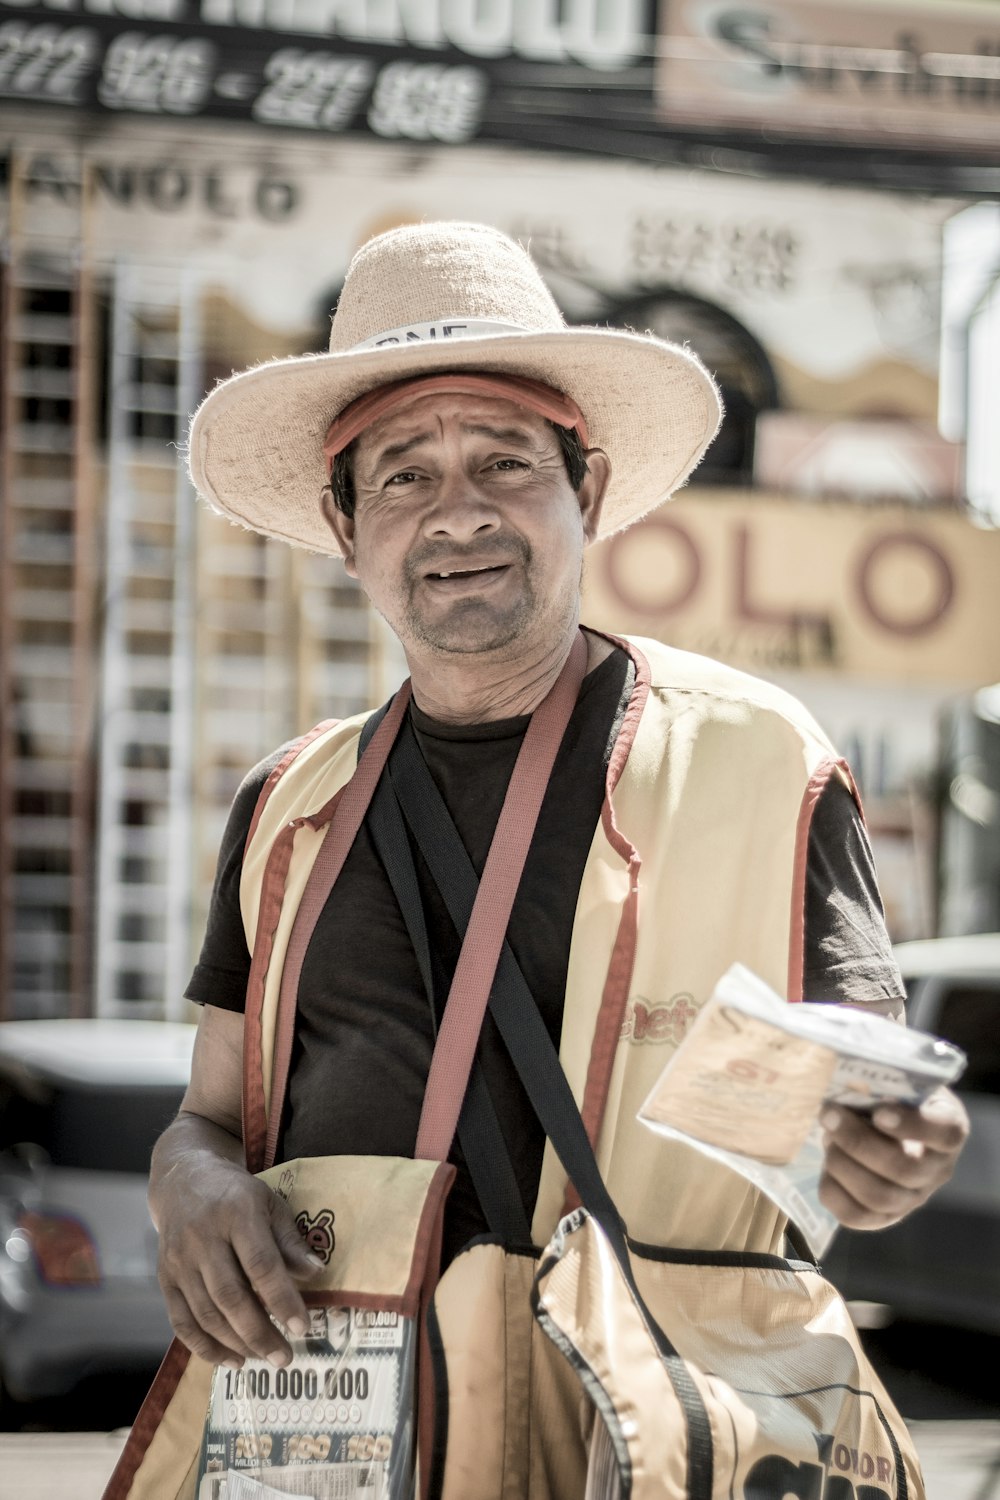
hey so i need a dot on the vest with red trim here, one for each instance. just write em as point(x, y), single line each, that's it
point(698, 861)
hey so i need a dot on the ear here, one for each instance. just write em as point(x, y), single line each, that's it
point(343, 530)
point(593, 489)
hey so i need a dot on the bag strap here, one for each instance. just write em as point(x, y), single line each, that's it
point(486, 929)
point(479, 1132)
point(342, 816)
point(536, 1061)
point(350, 805)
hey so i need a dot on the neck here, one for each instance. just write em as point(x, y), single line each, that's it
point(475, 689)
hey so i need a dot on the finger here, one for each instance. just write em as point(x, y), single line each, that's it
point(903, 1145)
point(228, 1351)
point(274, 1290)
point(303, 1262)
point(861, 1198)
point(941, 1123)
point(851, 1214)
point(881, 1173)
point(233, 1301)
point(900, 1161)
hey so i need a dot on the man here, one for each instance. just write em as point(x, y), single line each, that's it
point(459, 447)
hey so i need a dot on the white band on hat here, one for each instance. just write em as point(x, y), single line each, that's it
point(446, 328)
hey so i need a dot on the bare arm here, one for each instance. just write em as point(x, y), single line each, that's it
point(230, 1252)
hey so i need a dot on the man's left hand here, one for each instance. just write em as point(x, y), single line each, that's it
point(880, 1167)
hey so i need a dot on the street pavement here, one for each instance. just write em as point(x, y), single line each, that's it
point(57, 1465)
point(961, 1461)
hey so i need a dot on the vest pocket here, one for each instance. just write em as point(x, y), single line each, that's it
point(347, 1415)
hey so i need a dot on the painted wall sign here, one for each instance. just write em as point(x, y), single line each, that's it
point(766, 583)
point(838, 285)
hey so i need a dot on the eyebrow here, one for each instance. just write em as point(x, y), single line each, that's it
point(478, 429)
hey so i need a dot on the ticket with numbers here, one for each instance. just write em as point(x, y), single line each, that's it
point(335, 1424)
point(749, 1080)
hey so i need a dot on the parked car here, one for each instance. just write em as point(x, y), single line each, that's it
point(942, 1263)
point(81, 1103)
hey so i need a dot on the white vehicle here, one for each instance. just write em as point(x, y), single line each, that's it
point(81, 1103)
point(942, 1263)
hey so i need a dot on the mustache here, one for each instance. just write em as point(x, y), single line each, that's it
point(501, 549)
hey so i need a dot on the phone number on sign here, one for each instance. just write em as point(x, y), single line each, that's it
point(296, 87)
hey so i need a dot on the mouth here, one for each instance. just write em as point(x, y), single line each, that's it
point(459, 577)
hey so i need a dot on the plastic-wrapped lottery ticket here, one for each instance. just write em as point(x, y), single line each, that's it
point(751, 1077)
point(335, 1424)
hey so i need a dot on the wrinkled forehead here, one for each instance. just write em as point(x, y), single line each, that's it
point(424, 417)
point(513, 391)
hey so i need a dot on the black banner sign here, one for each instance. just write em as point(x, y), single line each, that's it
point(502, 72)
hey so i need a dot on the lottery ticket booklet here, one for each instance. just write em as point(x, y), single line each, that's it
point(333, 1425)
point(748, 1084)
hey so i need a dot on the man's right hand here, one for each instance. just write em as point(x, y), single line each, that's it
point(231, 1254)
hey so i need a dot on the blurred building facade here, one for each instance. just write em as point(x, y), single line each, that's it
point(183, 188)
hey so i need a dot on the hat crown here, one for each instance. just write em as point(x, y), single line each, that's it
point(423, 273)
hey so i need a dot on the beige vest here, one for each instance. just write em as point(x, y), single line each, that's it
point(698, 861)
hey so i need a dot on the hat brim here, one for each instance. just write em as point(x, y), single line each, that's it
point(256, 442)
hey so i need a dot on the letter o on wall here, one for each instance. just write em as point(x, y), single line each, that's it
point(167, 186)
point(657, 534)
point(930, 610)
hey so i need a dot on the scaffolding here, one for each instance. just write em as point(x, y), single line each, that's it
point(146, 732)
point(46, 609)
point(151, 651)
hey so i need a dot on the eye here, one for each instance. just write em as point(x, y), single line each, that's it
point(507, 464)
point(404, 476)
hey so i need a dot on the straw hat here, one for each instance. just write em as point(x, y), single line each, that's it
point(447, 296)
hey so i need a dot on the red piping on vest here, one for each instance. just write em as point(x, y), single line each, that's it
point(617, 983)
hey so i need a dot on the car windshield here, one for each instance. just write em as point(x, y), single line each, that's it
point(106, 1128)
point(969, 1016)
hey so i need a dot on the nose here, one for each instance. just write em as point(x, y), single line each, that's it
point(460, 510)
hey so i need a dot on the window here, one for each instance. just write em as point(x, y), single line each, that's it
point(970, 1017)
point(733, 355)
point(102, 1128)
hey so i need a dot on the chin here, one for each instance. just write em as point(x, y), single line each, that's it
point(470, 631)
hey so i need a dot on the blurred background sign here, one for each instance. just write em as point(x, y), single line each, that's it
point(924, 74)
point(876, 593)
point(434, 72)
point(867, 459)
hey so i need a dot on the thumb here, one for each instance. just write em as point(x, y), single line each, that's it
point(301, 1259)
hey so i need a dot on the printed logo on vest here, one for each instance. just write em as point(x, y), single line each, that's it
point(318, 1232)
point(776, 1474)
point(662, 1021)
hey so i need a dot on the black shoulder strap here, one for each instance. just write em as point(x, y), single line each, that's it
point(537, 1063)
point(479, 1132)
point(511, 1003)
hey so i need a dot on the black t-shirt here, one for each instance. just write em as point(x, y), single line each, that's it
point(364, 1033)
